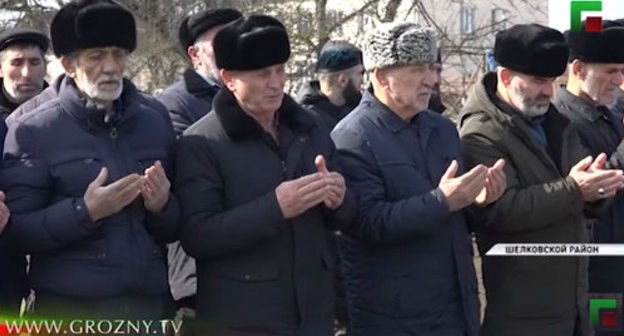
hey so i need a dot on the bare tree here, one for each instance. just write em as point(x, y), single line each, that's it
point(159, 60)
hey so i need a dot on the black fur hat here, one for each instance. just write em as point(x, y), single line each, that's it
point(606, 46)
point(251, 43)
point(532, 49)
point(84, 24)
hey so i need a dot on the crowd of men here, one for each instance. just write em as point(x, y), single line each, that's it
point(243, 211)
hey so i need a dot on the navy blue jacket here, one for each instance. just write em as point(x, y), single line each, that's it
point(13, 286)
point(188, 100)
point(408, 258)
point(51, 156)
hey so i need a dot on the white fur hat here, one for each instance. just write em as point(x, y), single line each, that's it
point(401, 43)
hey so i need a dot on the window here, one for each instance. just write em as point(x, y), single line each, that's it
point(500, 19)
point(365, 22)
point(467, 19)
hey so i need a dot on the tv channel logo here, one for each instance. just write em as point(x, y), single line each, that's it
point(605, 313)
point(593, 24)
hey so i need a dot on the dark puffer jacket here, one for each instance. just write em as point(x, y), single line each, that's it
point(51, 156)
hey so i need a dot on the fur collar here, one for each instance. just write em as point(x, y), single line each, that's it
point(198, 86)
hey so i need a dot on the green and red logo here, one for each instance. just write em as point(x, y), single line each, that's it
point(605, 312)
point(593, 24)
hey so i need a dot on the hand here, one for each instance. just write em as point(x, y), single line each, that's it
point(337, 187)
point(5, 213)
point(155, 189)
point(103, 201)
point(297, 196)
point(596, 183)
point(598, 163)
point(462, 190)
point(495, 183)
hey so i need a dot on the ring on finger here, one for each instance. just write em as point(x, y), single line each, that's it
point(601, 191)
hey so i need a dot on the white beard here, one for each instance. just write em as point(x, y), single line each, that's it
point(92, 90)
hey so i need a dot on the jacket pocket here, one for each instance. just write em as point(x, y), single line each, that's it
point(90, 249)
point(404, 179)
point(250, 270)
point(95, 255)
point(72, 175)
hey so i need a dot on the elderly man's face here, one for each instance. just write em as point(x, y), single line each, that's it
point(599, 81)
point(531, 95)
point(258, 91)
point(202, 53)
point(98, 72)
point(410, 86)
point(22, 70)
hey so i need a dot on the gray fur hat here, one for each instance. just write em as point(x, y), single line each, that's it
point(400, 43)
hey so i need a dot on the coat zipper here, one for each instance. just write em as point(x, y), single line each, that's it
point(284, 169)
point(123, 170)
